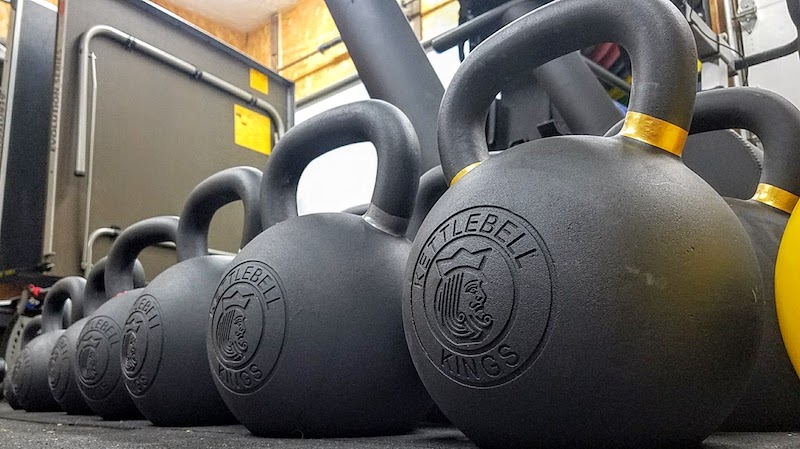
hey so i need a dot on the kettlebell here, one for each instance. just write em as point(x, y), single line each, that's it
point(11, 382)
point(305, 333)
point(32, 387)
point(787, 288)
point(62, 378)
point(771, 402)
point(164, 359)
point(99, 347)
point(582, 291)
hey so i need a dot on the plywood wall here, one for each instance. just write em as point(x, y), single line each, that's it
point(5, 17)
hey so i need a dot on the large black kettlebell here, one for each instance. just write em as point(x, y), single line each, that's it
point(771, 402)
point(32, 387)
point(164, 357)
point(582, 291)
point(61, 373)
point(305, 333)
point(100, 341)
point(11, 382)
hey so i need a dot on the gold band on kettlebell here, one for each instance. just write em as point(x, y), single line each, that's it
point(654, 131)
point(776, 197)
point(463, 172)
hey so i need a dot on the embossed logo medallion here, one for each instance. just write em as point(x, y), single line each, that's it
point(98, 347)
point(59, 371)
point(141, 345)
point(247, 326)
point(481, 295)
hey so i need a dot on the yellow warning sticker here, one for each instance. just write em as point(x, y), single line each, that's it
point(251, 130)
point(259, 81)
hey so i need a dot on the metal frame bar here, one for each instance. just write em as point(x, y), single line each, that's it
point(132, 43)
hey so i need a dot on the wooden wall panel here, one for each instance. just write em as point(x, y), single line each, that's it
point(5, 19)
point(438, 16)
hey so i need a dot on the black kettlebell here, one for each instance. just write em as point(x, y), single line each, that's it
point(305, 333)
point(29, 332)
point(61, 375)
point(582, 291)
point(100, 341)
point(164, 358)
point(33, 391)
point(771, 402)
point(794, 13)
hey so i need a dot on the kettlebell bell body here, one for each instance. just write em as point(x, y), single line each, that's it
point(305, 332)
point(11, 382)
point(166, 366)
point(33, 390)
point(582, 291)
point(61, 375)
point(100, 343)
point(771, 401)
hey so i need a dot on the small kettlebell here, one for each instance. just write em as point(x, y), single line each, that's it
point(11, 382)
point(61, 375)
point(305, 334)
point(581, 291)
point(164, 358)
point(771, 402)
point(99, 345)
point(33, 390)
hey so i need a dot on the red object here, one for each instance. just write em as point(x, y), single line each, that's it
point(35, 291)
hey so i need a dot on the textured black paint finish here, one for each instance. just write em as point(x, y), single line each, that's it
point(305, 331)
point(100, 343)
point(33, 384)
point(771, 402)
point(165, 363)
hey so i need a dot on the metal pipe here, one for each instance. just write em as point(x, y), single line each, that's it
point(162, 56)
point(732, 34)
point(490, 20)
point(768, 55)
point(86, 258)
point(402, 76)
point(88, 240)
point(607, 76)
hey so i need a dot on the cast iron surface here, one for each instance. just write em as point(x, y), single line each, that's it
point(581, 291)
point(305, 335)
point(99, 347)
point(29, 332)
point(32, 385)
point(61, 374)
point(164, 362)
point(772, 399)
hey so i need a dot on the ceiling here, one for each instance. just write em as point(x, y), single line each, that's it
point(242, 15)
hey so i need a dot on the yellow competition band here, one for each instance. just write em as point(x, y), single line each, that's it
point(776, 197)
point(654, 131)
point(463, 172)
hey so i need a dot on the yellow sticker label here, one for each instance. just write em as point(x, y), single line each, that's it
point(252, 130)
point(259, 81)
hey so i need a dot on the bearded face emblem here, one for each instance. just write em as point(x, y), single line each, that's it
point(231, 330)
point(460, 298)
point(88, 361)
point(130, 353)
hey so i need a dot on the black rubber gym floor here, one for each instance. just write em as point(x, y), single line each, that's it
point(56, 430)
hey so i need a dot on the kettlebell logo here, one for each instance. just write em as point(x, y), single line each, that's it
point(88, 359)
point(481, 295)
point(232, 327)
point(460, 297)
point(98, 346)
point(58, 369)
point(247, 326)
point(141, 343)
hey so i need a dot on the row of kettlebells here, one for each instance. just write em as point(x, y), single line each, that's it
point(569, 292)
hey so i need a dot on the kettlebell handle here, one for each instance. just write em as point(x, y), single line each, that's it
point(70, 287)
point(375, 121)
point(95, 293)
point(229, 185)
point(126, 248)
point(30, 330)
point(775, 120)
point(653, 32)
